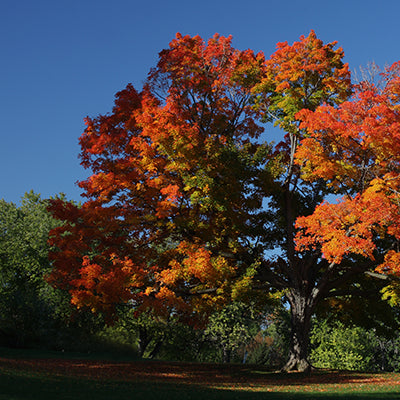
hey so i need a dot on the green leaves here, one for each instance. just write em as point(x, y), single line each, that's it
point(232, 327)
point(337, 346)
point(27, 302)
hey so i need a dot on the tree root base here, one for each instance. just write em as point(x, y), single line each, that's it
point(294, 364)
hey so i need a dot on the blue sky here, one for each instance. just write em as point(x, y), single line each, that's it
point(64, 60)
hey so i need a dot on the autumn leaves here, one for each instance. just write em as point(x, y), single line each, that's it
point(180, 177)
point(354, 147)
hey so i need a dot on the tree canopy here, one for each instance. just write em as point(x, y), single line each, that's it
point(190, 205)
point(173, 184)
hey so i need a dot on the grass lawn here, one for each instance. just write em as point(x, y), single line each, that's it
point(27, 375)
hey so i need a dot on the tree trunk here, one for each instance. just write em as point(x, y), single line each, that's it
point(226, 355)
point(143, 342)
point(156, 348)
point(301, 312)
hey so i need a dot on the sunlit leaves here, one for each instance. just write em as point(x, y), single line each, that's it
point(302, 76)
point(355, 148)
point(175, 216)
point(171, 185)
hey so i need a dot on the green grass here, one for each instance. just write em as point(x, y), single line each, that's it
point(21, 381)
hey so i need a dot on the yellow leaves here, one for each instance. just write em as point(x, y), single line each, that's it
point(391, 294)
point(166, 295)
point(314, 161)
point(391, 266)
point(161, 166)
point(162, 300)
point(193, 262)
point(241, 288)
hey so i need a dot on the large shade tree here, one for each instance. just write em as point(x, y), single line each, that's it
point(188, 207)
point(174, 186)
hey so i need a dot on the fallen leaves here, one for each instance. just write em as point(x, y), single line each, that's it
point(236, 376)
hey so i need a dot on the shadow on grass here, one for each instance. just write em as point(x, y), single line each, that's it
point(25, 385)
point(206, 375)
point(26, 375)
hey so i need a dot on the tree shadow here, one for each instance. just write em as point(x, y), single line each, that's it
point(26, 379)
point(25, 385)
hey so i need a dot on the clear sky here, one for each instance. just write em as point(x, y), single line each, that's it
point(63, 60)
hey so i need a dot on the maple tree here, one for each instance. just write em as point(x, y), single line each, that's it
point(354, 148)
point(334, 145)
point(172, 186)
point(187, 206)
point(298, 77)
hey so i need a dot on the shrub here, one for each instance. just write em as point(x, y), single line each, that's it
point(337, 346)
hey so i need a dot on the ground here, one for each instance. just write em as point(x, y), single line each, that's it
point(204, 375)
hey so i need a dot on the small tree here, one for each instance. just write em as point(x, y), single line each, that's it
point(232, 327)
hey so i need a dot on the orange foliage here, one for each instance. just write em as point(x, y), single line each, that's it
point(355, 148)
point(301, 76)
point(179, 178)
point(166, 194)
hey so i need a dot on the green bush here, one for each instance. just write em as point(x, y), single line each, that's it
point(337, 346)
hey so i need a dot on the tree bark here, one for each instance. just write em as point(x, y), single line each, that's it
point(157, 348)
point(143, 341)
point(226, 355)
point(301, 312)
